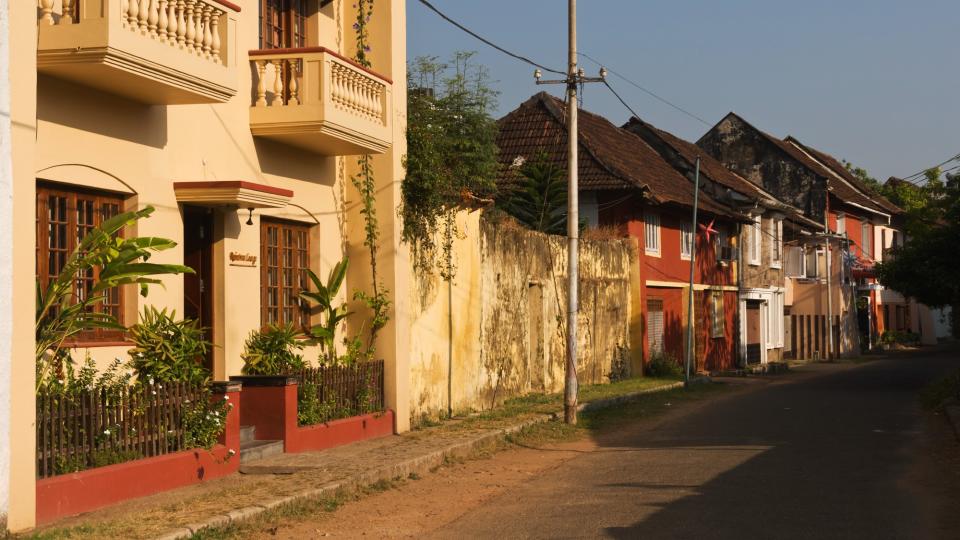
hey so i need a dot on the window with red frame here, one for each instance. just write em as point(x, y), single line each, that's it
point(285, 257)
point(64, 217)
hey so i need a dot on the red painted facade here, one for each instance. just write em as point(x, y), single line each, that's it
point(666, 276)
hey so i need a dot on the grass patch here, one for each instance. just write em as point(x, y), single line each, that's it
point(935, 395)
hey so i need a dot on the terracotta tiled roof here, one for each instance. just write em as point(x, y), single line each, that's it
point(713, 168)
point(610, 157)
point(837, 167)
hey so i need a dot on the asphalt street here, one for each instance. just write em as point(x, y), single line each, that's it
point(831, 451)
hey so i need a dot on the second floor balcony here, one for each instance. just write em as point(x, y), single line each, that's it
point(315, 99)
point(158, 52)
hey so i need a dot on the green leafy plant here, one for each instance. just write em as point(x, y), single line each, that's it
point(273, 351)
point(539, 200)
point(664, 365)
point(377, 301)
point(204, 421)
point(332, 316)
point(61, 314)
point(168, 350)
point(451, 159)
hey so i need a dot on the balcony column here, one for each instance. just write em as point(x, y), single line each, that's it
point(46, 12)
point(261, 86)
point(181, 23)
point(67, 16)
point(277, 83)
point(163, 22)
point(191, 35)
point(207, 35)
point(215, 30)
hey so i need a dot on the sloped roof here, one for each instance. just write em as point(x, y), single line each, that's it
point(610, 157)
point(833, 164)
point(714, 169)
point(838, 188)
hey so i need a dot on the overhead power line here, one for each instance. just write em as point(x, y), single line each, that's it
point(647, 91)
point(445, 17)
point(921, 173)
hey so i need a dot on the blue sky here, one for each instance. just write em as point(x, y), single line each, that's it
point(874, 82)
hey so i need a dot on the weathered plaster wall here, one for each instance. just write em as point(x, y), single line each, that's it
point(505, 305)
point(6, 263)
point(744, 150)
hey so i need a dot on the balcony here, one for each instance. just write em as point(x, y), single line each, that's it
point(315, 99)
point(158, 52)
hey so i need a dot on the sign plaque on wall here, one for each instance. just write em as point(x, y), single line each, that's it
point(242, 259)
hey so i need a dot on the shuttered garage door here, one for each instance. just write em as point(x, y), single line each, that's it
point(655, 326)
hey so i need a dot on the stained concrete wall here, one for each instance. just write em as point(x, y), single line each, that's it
point(495, 331)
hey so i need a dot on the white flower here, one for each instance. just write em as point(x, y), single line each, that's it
point(151, 380)
point(518, 162)
point(160, 386)
point(226, 397)
point(106, 432)
point(186, 401)
point(231, 451)
point(154, 392)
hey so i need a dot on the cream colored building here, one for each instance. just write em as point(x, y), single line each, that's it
point(242, 125)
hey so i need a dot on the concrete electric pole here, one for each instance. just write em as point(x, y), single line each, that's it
point(574, 77)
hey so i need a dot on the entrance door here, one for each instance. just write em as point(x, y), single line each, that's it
point(754, 332)
point(198, 254)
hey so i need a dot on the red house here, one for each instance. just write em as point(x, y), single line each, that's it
point(626, 184)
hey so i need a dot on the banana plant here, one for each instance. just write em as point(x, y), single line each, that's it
point(62, 314)
point(325, 333)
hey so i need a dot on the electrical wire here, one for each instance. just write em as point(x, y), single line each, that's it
point(445, 17)
point(646, 91)
point(921, 173)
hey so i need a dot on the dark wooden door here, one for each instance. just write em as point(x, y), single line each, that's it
point(198, 254)
point(754, 332)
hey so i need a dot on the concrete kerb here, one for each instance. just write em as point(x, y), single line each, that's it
point(420, 465)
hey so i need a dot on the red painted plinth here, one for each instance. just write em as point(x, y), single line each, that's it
point(75, 493)
point(339, 432)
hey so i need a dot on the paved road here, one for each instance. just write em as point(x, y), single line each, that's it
point(834, 452)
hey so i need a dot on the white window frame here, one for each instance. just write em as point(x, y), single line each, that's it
point(717, 319)
point(775, 321)
point(686, 241)
point(866, 240)
point(841, 224)
point(776, 243)
point(651, 230)
point(755, 241)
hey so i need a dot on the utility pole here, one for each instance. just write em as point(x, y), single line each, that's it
point(574, 77)
point(693, 261)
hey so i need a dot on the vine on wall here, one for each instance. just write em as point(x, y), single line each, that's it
point(451, 159)
point(365, 184)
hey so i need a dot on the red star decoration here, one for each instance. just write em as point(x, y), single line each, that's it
point(708, 229)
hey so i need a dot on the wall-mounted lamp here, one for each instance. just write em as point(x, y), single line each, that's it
point(250, 217)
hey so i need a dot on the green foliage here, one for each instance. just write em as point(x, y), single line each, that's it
point(451, 151)
point(891, 337)
point(71, 382)
point(325, 333)
point(864, 177)
point(168, 350)
point(925, 266)
point(935, 395)
point(377, 301)
point(539, 201)
point(60, 315)
point(620, 364)
point(204, 421)
point(312, 411)
point(664, 365)
point(273, 351)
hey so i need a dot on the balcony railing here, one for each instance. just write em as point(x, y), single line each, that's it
point(315, 99)
point(158, 52)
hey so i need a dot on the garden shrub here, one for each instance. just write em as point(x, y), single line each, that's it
point(664, 365)
point(273, 351)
